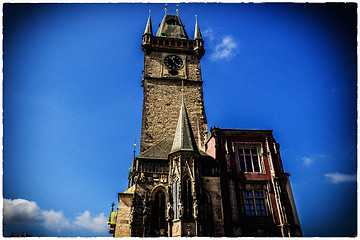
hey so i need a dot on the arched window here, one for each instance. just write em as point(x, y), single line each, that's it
point(175, 192)
point(206, 214)
point(187, 198)
point(158, 212)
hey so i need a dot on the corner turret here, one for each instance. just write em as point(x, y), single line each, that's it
point(199, 42)
point(197, 34)
point(148, 28)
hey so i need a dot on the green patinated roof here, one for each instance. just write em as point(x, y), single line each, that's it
point(184, 138)
point(172, 27)
point(161, 150)
point(158, 151)
point(112, 217)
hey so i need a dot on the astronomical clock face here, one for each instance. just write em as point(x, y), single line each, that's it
point(173, 62)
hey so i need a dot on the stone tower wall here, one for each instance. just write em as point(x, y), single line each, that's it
point(162, 90)
point(162, 102)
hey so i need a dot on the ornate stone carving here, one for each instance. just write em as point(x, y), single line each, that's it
point(169, 211)
point(181, 209)
point(196, 211)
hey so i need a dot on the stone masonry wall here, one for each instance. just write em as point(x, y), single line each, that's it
point(161, 107)
point(123, 216)
point(154, 66)
point(162, 97)
point(212, 184)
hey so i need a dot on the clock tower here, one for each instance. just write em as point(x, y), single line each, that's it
point(171, 60)
point(185, 183)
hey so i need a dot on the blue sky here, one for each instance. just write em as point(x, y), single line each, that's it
point(72, 102)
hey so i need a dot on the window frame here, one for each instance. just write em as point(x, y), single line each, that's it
point(249, 146)
point(263, 212)
point(175, 192)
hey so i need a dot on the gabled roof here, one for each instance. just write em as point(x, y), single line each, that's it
point(172, 27)
point(184, 138)
point(161, 150)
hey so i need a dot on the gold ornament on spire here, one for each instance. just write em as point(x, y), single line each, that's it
point(165, 8)
point(177, 9)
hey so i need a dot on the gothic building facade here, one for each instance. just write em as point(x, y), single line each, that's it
point(186, 182)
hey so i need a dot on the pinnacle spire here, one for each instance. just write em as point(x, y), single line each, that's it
point(148, 28)
point(184, 138)
point(197, 34)
point(131, 170)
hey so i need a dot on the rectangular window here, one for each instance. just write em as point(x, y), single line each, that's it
point(248, 158)
point(255, 203)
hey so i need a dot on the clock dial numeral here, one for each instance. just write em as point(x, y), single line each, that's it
point(173, 62)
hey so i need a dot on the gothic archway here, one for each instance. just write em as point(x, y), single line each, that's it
point(158, 223)
point(187, 198)
point(206, 214)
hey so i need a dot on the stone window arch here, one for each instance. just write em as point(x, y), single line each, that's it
point(158, 211)
point(187, 198)
point(206, 213)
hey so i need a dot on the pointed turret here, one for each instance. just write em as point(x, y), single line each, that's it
point(148, 28)
point(197, 34)
point(184, 138)
point(132, 169)
point(172, 27)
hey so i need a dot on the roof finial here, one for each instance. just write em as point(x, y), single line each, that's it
point(177, 9)
point(182, 90)
point(149, 12)
point(165, 9)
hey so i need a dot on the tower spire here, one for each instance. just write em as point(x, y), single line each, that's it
point(148, 28)
point(184, 137)
point(197, 34)
point(131, 172)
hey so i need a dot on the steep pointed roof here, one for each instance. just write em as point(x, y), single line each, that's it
point(148, 28)
point(197, 34)
point(184, 138)
point(171, 26)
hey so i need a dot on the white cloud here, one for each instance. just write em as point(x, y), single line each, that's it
point(94, 224)
point(307, 161)
point(208, 33)
point(55, 220)
point(339, 177)
point(226, 49)
point(24, 211)
point(21, 211)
